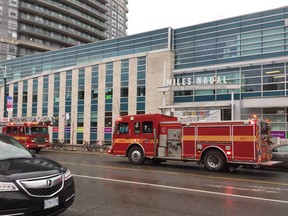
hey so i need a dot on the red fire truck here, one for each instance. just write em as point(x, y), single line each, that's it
point(218, 145)
point(31, 132)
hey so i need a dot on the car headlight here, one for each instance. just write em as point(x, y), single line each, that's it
point(8, 186)
point(67, 175)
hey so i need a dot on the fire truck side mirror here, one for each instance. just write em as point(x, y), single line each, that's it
point(155, 134)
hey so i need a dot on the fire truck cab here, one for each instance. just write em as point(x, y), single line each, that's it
point(218, 145)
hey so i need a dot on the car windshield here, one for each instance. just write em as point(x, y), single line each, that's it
point(11, 148)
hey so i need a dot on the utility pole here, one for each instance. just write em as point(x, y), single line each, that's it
point(5, 90)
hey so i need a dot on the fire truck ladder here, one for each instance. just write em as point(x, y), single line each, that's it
point(43, 119)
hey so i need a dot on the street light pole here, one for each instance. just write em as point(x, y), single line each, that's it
point(5, 99)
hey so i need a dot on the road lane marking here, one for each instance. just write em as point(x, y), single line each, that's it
point(180, 188)
point(177, 173)
point(272, 190)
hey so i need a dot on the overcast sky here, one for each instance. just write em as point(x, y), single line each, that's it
point(146, 15)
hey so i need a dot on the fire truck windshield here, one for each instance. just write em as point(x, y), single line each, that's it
point(37, 130)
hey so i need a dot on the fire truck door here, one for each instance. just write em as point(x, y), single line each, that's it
point(21, 133)
point(189, 142)
point(147, 137)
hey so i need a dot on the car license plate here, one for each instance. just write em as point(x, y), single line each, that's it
point(41, 145)
point(49, 203)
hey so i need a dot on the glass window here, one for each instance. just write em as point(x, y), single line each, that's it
point(14, 130)
point(21, 130)
point(251, 34)
point(147, 127)
point(247, 81)
point(251, 40)
point(137, 126)
point(25, 98)
point(124, 92)
point(123, 128)
point(274, 37)
point(273, 31)
point(270, 87)
point(251, 46)
point(109, 93)
point(141, 91)
point(251, 88)
point(251, 72)
point(273, 43)
point(94, 93)
point(34, 98)
point(273, 49)
point(56, 96)
point(251, 52)
point(81, 95)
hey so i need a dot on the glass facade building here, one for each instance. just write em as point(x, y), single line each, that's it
point(234, 67)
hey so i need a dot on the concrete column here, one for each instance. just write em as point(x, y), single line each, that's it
point(62, 98)
point(132, 86)
point(154, 79)
point(101, 102)
point(87, 103)
point(29, 97)
point(20, 99)
point(74, 106)
point(40, 96)
point(116, 90)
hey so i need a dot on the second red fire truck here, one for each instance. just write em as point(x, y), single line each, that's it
point(218, 145)
point(31, 132)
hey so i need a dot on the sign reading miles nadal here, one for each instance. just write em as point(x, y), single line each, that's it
point(201, 83)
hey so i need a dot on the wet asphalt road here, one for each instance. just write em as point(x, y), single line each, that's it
point(107, 185)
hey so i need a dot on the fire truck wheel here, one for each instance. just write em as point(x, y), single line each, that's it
point(136, 155)
point(214, 161)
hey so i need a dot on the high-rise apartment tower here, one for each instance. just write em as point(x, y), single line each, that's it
point(28, 27)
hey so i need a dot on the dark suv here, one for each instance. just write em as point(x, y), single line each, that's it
point(31, 185)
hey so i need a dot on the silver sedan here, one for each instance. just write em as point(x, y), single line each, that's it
point(280, 153)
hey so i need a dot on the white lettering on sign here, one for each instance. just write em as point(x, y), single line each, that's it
point(199, 81)
point(186, 83)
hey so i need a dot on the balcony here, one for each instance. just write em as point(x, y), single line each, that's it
point(56, 9)
point(34, 45)
point(50, 36)
point(88, 10)
point(59, 18)
point(98, 6)
point(63, 30)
